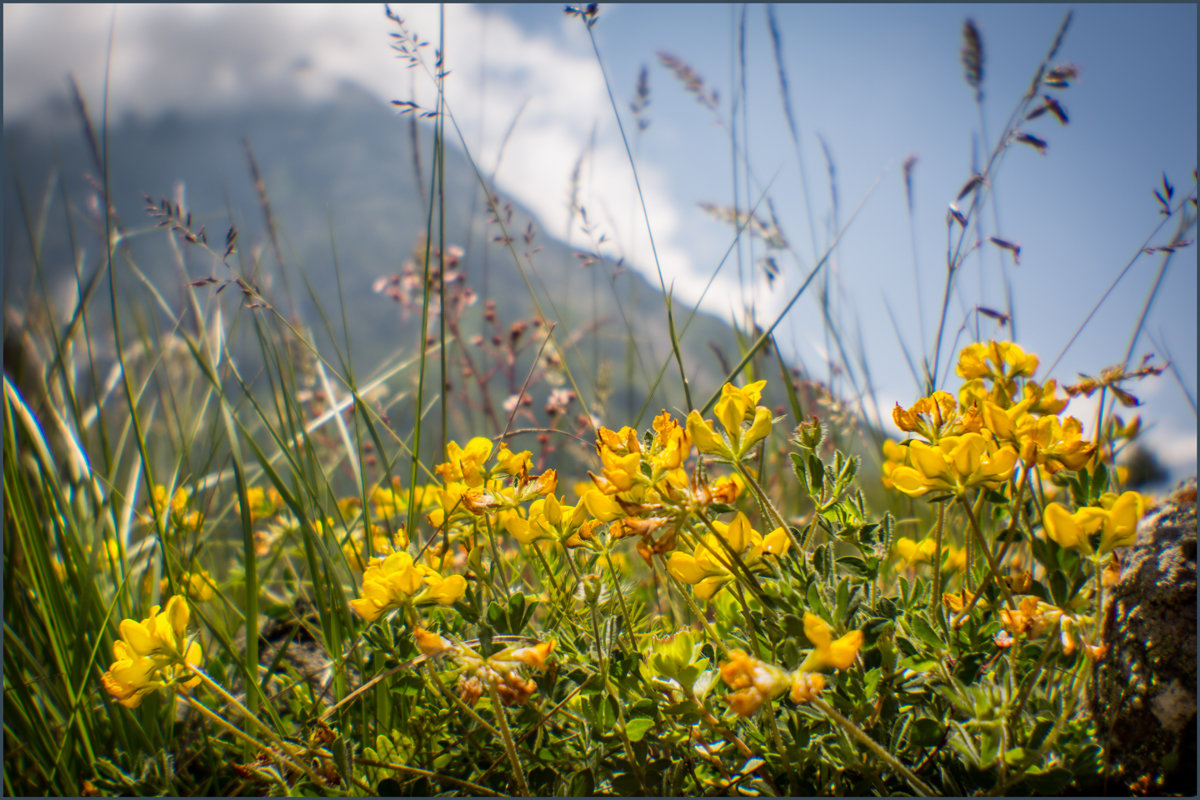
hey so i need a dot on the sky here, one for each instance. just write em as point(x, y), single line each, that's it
point(869, 86)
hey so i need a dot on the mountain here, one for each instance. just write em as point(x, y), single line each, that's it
point(341, 177)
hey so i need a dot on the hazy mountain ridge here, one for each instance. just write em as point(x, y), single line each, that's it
point(339, 175)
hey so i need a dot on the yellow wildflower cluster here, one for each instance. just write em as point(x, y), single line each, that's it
point(1000, 416)
point(1035, 618)
point(755, 682)
point(645, 491)
point(745, 423)
point(1115, 519)
point(710, 565)
point(395, 581)
point(262, 503)
point(502, 670)
point(198, 586)
point(641, 489)
point(390, 502)
point(471, 489)
point(152, 654)
point(174, 508)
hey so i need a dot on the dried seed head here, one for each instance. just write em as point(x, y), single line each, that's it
point(972, 58)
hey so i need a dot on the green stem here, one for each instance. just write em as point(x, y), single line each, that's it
point(935, 602)
point(987, 554)
point(506, 737)
point(1032, 679)
point(869, 743)
point(621, 599)
point(633, 762)
point(288, 762)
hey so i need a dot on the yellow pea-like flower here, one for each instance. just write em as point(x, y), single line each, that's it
point(913, 553)
point(754, 681)
point(152, 654)
point(1072, 530)
point(806, 686)
point(440, 590)
point(387, 584)
point(828, 652)
point(431, 644)
point(705, 437)
point(1121, 521)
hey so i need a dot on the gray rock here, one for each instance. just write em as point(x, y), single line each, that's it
point(1145, 700)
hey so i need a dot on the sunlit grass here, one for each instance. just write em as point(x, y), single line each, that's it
point(233, 565)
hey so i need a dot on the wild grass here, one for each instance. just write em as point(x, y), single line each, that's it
point(234, 566)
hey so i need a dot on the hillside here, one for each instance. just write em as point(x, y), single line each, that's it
point(341, 178)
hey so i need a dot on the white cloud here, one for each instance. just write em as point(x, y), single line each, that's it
point(205, 57)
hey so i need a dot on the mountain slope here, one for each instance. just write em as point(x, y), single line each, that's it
point(341, 178)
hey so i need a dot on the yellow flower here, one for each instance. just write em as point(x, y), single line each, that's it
point(198, 586)
point(754, 682)
point(533, 656)
point(806, 685)
point(1120, 520)
point(1000, 361)
point(705, 437)
point(262, 503)
point(1035, 618)
point(152, 654)
point(827, 652)
point(620, 471)
point(913, 553)
point(465, 464)
point(1044, 398)
point(957, 601)
point(954, 559)
point(177, 503)
point(601, 506)
point(931, 417)
point(511, 463)
point(1054, 444)
point(894, 455)
point(954, 464)
point(431, 644)
point(736, 404)
point(440, 590)
point(388, 502)
point(705, 568)
point(671, 445)
point(1072, 530)
point(387, 584)
point(733, 409)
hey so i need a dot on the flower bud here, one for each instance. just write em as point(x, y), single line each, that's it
point(809, 433)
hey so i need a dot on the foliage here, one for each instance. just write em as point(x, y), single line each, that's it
point(216, 585)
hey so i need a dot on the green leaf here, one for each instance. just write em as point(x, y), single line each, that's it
point(925, 632)
point(1049, 783)
point(636, 728)
point(820, 562)
point(816, 474)
point(1100, 480)
point(583, 783)
point(843, 598)
point(1058, 588)
point(516, 607)
point(857, 566)
point(927, 732)
point(1014, 756)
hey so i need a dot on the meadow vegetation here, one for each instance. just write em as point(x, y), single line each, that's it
point(284, 578)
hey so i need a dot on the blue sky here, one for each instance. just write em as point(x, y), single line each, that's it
point(875, 82)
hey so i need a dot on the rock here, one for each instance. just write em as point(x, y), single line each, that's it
point(1144, 706)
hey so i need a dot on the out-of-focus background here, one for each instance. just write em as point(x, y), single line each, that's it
point(309, 87)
